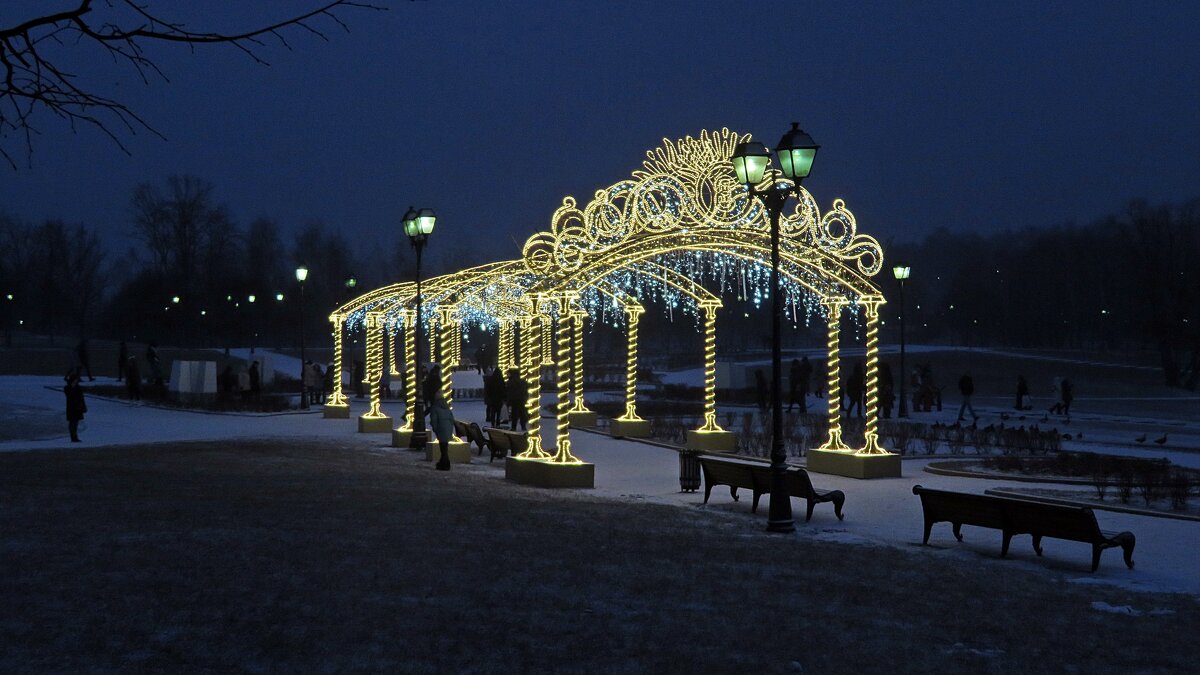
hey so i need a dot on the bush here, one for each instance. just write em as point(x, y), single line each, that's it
point(900, 435)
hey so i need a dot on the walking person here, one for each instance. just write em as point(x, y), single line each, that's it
point(318, 386)
point(1056, 395)
point(255, 380)
point(819, 378)
point(966, 387)
point(81, 351)
point(153, 363)
point(133, 380)
point(441, 419)
point(798, 383)
point(330, 372)
point(761, 390)
point(359, 374)
point(75, 404)
point(1067, 392)
point(122, 360)
point(516, 393)
point(855, 389)
point(493, 396)
point(1022, 392)
point(481, 358)
point(887, 389)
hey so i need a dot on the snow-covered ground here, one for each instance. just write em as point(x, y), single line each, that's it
point(878, 512)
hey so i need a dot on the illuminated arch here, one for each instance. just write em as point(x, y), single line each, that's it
point(677, 226)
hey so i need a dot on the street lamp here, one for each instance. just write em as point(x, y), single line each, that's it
point(253, 322)
point(418, 225)
point(796, 152)
point(301, 276)
point(901, 272)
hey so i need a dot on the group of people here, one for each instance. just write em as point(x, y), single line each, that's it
point(244, 381)
point(802, 382)
point(512, 392)
point(925, 394)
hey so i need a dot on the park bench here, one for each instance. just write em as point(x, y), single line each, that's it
point(460, 429)
point(497, 445)
point(1014, 516)
point(756, 477)
point(505, 440)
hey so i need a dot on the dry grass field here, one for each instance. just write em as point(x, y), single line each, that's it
point(263, 556)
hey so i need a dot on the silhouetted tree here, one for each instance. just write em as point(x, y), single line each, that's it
point(38, 54)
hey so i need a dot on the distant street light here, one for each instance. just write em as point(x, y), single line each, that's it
point(279, 297)
point(175, 299)
point(251, 298)
point(796, 152)
point(901, 272)
point(351, 282)
point(301, 276)
point(418, 225)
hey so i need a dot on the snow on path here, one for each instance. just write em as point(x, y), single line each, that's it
point(878, 512)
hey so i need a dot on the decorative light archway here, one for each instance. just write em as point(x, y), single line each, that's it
point(678, 226)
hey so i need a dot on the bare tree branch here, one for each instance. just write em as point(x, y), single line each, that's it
point(35, 83)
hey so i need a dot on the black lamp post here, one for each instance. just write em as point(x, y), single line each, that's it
point(301, 276)
point(253, 322)
point(901, 272)
point(796, 152)
point(418, 225)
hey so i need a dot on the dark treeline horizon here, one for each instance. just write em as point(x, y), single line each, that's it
point(1126, 282)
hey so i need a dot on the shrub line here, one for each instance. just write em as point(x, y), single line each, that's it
point(1132, 510)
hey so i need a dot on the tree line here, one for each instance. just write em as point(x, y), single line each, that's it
point(189, 279)
point(1126, 282)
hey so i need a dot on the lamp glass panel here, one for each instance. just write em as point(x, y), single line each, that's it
point(801, 161)
point(425, 223)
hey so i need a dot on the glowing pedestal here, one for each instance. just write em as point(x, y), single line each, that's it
point(711, 441)
point(585, 418)
point(629, 428)
point(374, 425)
point(547, 474)
point(854, 465)
point(339, 412)
point(458, 451)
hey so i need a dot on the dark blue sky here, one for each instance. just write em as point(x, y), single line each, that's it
point(972, 116)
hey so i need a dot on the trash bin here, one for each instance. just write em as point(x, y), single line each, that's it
point(689, 471)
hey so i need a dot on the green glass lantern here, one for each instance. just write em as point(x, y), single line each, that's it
point(750, 162)
point(796, 152)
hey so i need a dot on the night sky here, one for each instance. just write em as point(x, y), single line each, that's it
point(970, 116)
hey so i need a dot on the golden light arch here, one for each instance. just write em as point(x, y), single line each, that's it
point(678, 225)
